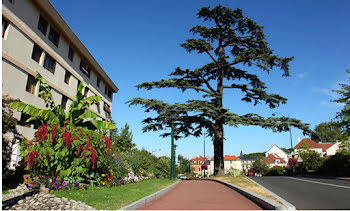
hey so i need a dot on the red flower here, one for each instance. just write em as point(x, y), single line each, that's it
point(41, 134)
point(108, 144)
point(118, 155)
point(81, 132)
point(79, 150)
point(66, 138)
point(54, 130)
point(47, 154)
point(94, 157)
point(31, 158)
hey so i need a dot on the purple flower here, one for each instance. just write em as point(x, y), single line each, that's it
point(38, 183)
point(73, 185)
point(31, 176)
point(39, 172)
point(45, 176)
point(111, 185)
point(85, 185)
point(65, 184)
point(60, 187)
point(80, 187)
point(77, 183)
point(27, 185)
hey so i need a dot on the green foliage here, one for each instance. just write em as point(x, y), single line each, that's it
point(276, 171)
point(183, 164)
point(68, 152)
point(234, 172)
point(344, 115)
point(255, 154)
point(327, 132)
point(78, 113)
point(258, 163)
point(122, 141)
point(231, 41)
point(311, 159)
point(337, 165)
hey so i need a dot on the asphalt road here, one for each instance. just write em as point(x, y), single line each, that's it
point(309, 193)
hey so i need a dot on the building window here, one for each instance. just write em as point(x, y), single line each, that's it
point(107, 110)
point(37, 51)
point(86, 91)
point(42, 25)
point(31, 84)
point(50, 64)
point(64, 102)
point(108, 92)
point(54, 36)
point(67, 77)
point(70, 53)
point(98, 82)
point(84, 68)
point(5, 25)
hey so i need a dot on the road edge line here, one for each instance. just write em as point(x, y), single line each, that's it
point(137, 204)
point(263, 202)
point(288, 205)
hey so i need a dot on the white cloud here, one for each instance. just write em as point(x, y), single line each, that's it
point(301, 75)
point(330, 104)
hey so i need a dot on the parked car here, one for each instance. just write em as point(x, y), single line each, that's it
point(254, 172)
point(181, 176)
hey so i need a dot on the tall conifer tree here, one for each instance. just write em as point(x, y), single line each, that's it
point(232, 41)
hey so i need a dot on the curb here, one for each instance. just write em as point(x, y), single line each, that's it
point(137, 204)
point(262, 201)
point(288, 206)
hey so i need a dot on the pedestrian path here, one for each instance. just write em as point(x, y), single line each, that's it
point(201, 195)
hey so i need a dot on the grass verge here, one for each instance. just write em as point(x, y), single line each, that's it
point(113, 198)
point(247, 184)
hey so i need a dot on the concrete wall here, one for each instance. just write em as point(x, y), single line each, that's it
point(17, 62)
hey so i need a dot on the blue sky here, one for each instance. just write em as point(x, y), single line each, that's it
point(137, 41)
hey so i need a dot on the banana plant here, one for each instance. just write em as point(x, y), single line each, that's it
point(78, 113)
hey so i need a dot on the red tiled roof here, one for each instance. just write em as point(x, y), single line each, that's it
point(272, 157)
point(228, 157)
point(197, 159)
point(312, 144)
point(325, 146)
point(308, 143)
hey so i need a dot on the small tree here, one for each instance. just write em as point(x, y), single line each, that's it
point(122, 141)
point(311, 159)
point(259, 163)
point(233, 43)
point(183, 164)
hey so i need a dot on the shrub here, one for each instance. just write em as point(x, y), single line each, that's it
point(276, 171)
point(67, 152)
point(234, 172)
point(337, 165)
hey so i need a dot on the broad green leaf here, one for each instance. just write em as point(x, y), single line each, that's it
point(103, 125)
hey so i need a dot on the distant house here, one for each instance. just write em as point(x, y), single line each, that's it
point(247, 162)
point(324, 149)
point(275, 156)
point(196, 164)
point(230, 161)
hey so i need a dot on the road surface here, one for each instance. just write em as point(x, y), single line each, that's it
point(309, 193)
point(201, 195)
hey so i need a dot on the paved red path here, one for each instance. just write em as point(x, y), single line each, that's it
point(201, 195)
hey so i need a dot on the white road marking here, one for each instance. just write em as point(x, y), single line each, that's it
point(339, 186)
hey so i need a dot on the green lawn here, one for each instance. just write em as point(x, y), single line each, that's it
point(116, 197)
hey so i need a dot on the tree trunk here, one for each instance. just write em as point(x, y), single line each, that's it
point(219, 169)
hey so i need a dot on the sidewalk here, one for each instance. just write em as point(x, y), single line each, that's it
point(201, 195)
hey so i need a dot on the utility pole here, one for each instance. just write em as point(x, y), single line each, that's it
point(204, 155)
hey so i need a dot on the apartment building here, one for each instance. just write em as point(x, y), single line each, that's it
point(36, 38)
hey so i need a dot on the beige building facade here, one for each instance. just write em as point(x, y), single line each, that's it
point(35, 38)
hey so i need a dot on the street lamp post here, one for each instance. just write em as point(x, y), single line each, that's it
point(290, 135)
point(172, 160)
point(204, 156)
